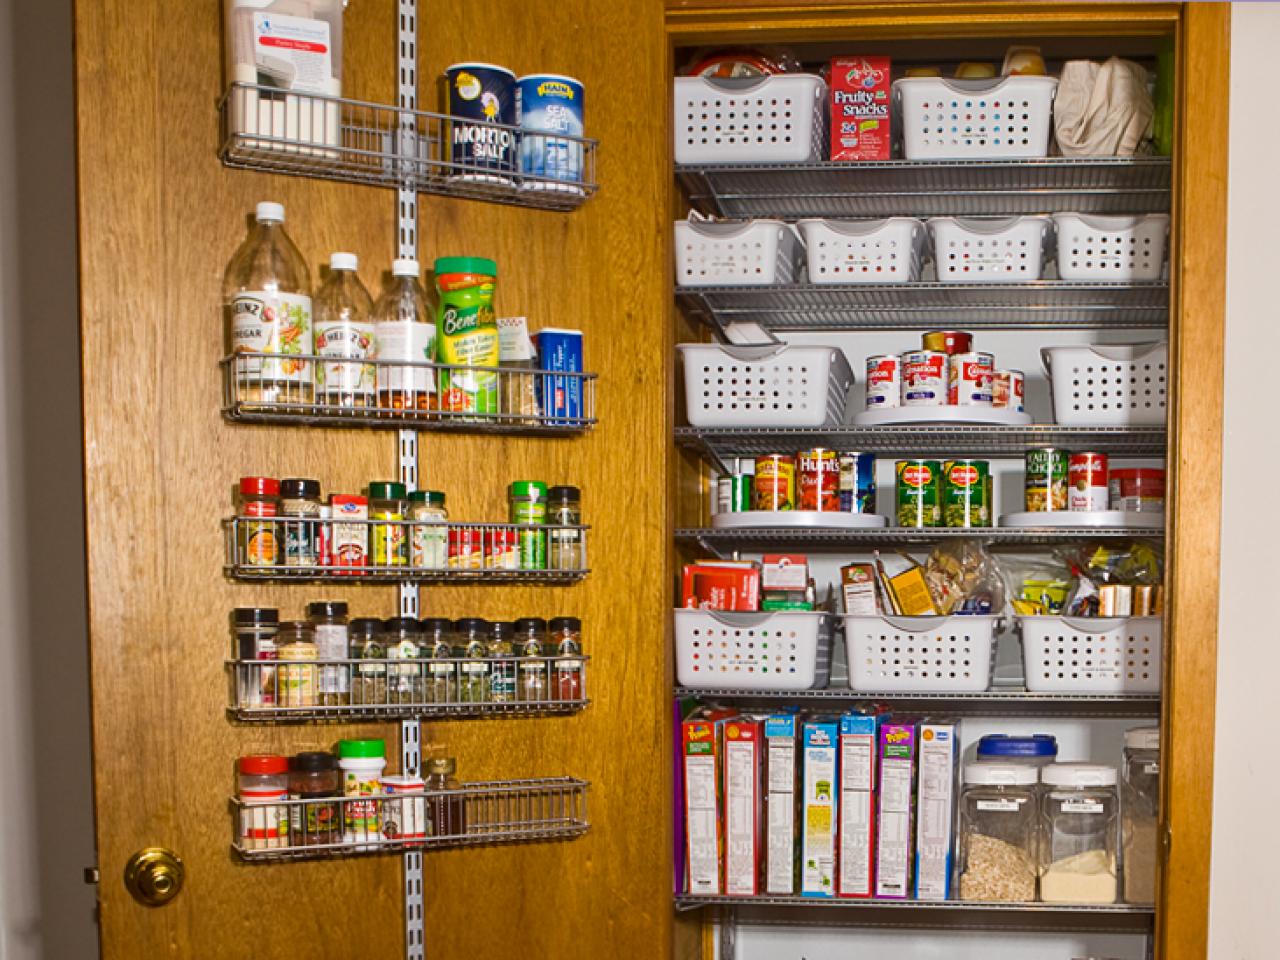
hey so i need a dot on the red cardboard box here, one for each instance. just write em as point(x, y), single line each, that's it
point(860, 116)
point(721, 585)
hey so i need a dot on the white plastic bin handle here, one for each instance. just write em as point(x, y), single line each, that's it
point(745, 619)
point(1116, 351)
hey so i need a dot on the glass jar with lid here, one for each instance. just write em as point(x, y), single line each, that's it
point(440, 684)
point(296, 654)
point(403, 642)
point(565, 638)
point(1037, 749)
point(329, 628)
point(502, 666)
point(429, 535)
point(255, 651)
point(1140, 813)
point(471, 647)
point(998, 832)
point(533, 685)
point(313, 777)
point(369, 675)
point(387, 502)
point(300, 504)
point(1081, 824)
point(564, 514)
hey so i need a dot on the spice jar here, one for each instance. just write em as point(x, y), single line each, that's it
point(429, 537)
point(329, 628)
point(1078, 856)
point(403, 643)
point(313, 777)
point(264, 817)
point(255, 640)
point(295, 682)
point(386, 502)
point(519, 381)
point(566, 547)
point(528, 507)
point(259, 544)
point(502, 666)
point(447, 814)
point(362, 763)
point(441, 681)
point(533, 685)
point(565, 637)
point(999, 825)
point(1140, 812)
point(300, 505)
point(404, 819)
point(471, 646)
point(369, 680)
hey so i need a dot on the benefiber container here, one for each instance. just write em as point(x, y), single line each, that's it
point(548, 104)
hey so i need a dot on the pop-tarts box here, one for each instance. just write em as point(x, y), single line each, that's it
point(820, 806)
point(701, 745)
point(560, 351)
point(857, 805)
point(780, 780)
point(935, 810)
point(897, 750)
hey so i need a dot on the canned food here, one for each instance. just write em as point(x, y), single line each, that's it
point(884, 382)
point(1087, 489)
point(1137, 490)
point(924, 378)
point(949, 342)
point(919, 483)
point(733, 493)
point(775, 482)
point(966, 493)
point(819, 480)
point(1046, 479)
point(969, 381)
point(1008, 390)
point(857, 482)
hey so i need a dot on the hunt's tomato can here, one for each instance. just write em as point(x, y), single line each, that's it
point(1009, 390)
point(857, 482)
point(884, 382)
point(819, 480)
point(949, 342)
point(919, 493)
point(775, 482)
point(1087, 489)
point(970, 380)
point(924, 378)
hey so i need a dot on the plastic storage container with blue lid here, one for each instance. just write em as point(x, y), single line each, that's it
point(1038, 749)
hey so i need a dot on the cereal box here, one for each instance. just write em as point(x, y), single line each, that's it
point(935, 811)
point(857, 804)
point(897, 755)
point(821, 801)
point(701, 751)
point(742, 761)
point(860, 121)
point(780, 804)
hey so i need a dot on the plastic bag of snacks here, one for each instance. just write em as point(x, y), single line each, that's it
point(1115, 580)
point(964, 578)
point(1037, 586)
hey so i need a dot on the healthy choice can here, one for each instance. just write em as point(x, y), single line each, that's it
point(857, 482)
point(919, 488)
point(819, 480)
point(924, 378)
point(969, 382)
point(884, 382)
point(966, 493)
point(775, 482)
point(1046, 479)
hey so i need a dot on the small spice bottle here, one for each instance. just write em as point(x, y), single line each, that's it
point(441, 682)
point(565, 636)
point(300, 505)
point(471, 639)
point(448, 815)
point(403, 643)
point(533, 685)
point(255, 653)
point(528, 508)
point(295, 677)
point(362, 763)
point(329, 628)
point(263, 786)
point(429, 537)
point(259, 542)
point(313, 777)
point(369, 684)
point(566, 547)
point(387, 502)
point(502, 668)
point(404, 819)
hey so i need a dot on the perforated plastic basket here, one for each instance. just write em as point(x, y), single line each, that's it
point(1003, 117)
point(764, 386)
point(1092, 247)
point(775, 119)
point(1101, 655)
point(1115, 385)
point(721, 254)
point(788, 650)
point(1008, 250)
point(920, 654)
point(864, 251)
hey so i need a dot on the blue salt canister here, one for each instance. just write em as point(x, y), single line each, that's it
point(486, 93)
point(548, 104)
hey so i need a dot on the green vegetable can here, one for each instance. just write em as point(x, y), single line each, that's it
point(966, 493)
point(919, 493)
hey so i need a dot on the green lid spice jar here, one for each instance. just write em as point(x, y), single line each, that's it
point(386, 502)
point(362, 763)
point(528, 500)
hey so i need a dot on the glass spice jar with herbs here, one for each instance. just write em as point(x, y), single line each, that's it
point(566, 549)
point(441, 677)
point(296, 671)
point(369, 674)
point(533, 685)
point(329, 629)
point(300, 506)
point(471, 639)
point(404, 667)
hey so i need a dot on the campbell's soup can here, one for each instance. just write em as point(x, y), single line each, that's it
point(919, 493)
point(818, 477)
point(949, 342)
point(924, 378)
point(775, 483)
point(969, 382)
point(1009, 390)
point(857, 482)
point(1087, 482)
point(884, 382)
point(1046, 479)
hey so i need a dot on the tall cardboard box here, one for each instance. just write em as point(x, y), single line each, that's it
point(821, 804)
point(742, 765)
point(857, 805)
point(781, 767)
point(700, 739)
point(897, 755)
point(936, 810)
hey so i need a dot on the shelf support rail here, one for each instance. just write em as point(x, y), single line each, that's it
point(727, 922)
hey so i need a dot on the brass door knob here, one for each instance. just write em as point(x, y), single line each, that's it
point(154, 876)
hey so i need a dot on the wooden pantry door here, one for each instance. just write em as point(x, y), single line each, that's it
point(159, 218)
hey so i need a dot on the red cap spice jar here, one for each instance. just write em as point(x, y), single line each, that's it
point(258, 540)
point(263, 786)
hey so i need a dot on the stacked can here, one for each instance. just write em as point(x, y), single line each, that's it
point(818, 477)
point(966, 493)
point(1009, 391)
point(1046, 479)
point(734, 490)
point(919, 491)
point(774, 483)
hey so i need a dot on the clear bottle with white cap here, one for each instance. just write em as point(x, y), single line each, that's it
point(1081, 827)
point(1140, 813)
point(999, 832)
point(405, 329)
point(344, 328)
point(267, 295)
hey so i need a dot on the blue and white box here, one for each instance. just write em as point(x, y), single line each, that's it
point(560, 351)
point(936, 810)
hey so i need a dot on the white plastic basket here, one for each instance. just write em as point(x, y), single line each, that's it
point(920, 654)
point(1003, 117)
point(864, 251)
point(1092, 247)
point(764, 386)
point(1092, 655)
point(1007, 250)
point(787, 650)
point(1113, 385)
point(774, 119)
point(723, 254)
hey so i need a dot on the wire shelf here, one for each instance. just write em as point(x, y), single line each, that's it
point(406, 689)
point(503, 811)
point(354, 141)
point(353, 550)
point(1043, 304)
point(758, 539)
point(255, 389)
point(931, 187)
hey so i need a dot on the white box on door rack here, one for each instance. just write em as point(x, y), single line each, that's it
point(864, 251)
point(764, 386)
point(995, 119)
point(784, 650)
point(773, 119)
point(920, 654)
point(736, 253)
point(1112, 385)
point(1093, 247)
point(1001, 250)
point(1107, 655)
